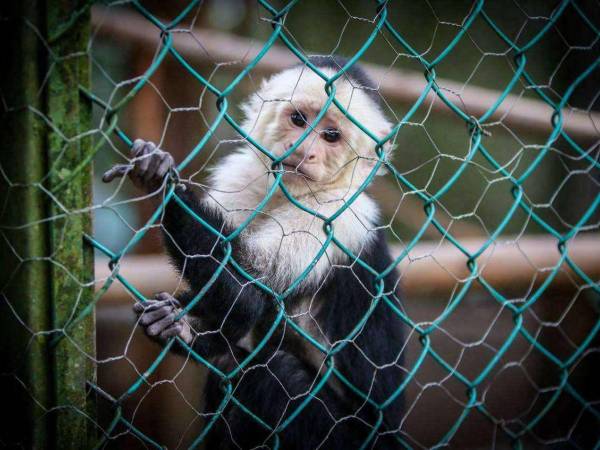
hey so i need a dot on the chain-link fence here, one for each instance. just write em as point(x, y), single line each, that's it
point(489, 201)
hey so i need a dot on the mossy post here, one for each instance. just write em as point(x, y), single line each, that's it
point(72, 277)
point(47, 269)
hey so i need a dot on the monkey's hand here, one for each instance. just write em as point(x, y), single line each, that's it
point(157, 317)
point(148, 169)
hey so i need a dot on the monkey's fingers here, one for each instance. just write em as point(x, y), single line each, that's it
point(137, 147)
point(151, 304)
point(148, 305)
point(118, 171)
point(149, 317)
point(174, 329)
point(160, 325)
point(166, 296)
point(139, 307)
point(179, 328)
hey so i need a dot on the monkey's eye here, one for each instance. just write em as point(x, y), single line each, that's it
point(298, 118)
point(331, 134)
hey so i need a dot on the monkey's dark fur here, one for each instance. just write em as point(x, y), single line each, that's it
point(236, 310)
point(279, 379)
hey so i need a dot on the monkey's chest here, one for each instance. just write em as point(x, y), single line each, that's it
point(289, 255)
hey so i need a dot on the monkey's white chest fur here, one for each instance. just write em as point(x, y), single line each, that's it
point(282, 241)
point(287, 244)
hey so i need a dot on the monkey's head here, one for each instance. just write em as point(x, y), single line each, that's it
point(336, 152)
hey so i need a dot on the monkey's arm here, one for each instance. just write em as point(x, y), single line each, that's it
point(230, 306)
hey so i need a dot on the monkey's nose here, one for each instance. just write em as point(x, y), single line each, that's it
point(300, 156)
point(301, 153)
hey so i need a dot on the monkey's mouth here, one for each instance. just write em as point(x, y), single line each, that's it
point(296, 170)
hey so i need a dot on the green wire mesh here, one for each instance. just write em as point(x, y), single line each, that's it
point(475, 129)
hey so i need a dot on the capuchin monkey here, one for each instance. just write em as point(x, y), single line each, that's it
point(339, 302)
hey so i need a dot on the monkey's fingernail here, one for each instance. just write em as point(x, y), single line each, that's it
point(116, 171)
point(137, 145)
point(108, 176)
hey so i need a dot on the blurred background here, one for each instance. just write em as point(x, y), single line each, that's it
point(221, 36)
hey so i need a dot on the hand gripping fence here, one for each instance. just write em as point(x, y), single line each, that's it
point(475, 128)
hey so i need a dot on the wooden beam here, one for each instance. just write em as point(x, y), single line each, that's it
point(431, 268)
point(207, 45)
point(508, 265)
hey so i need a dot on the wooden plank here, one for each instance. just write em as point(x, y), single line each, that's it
point(400, 85)
point(432, 268)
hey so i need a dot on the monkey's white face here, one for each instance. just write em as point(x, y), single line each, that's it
point(335, 153)
point(323, 156)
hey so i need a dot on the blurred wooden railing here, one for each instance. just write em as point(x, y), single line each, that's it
point(430, 269)
point(212, 46)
